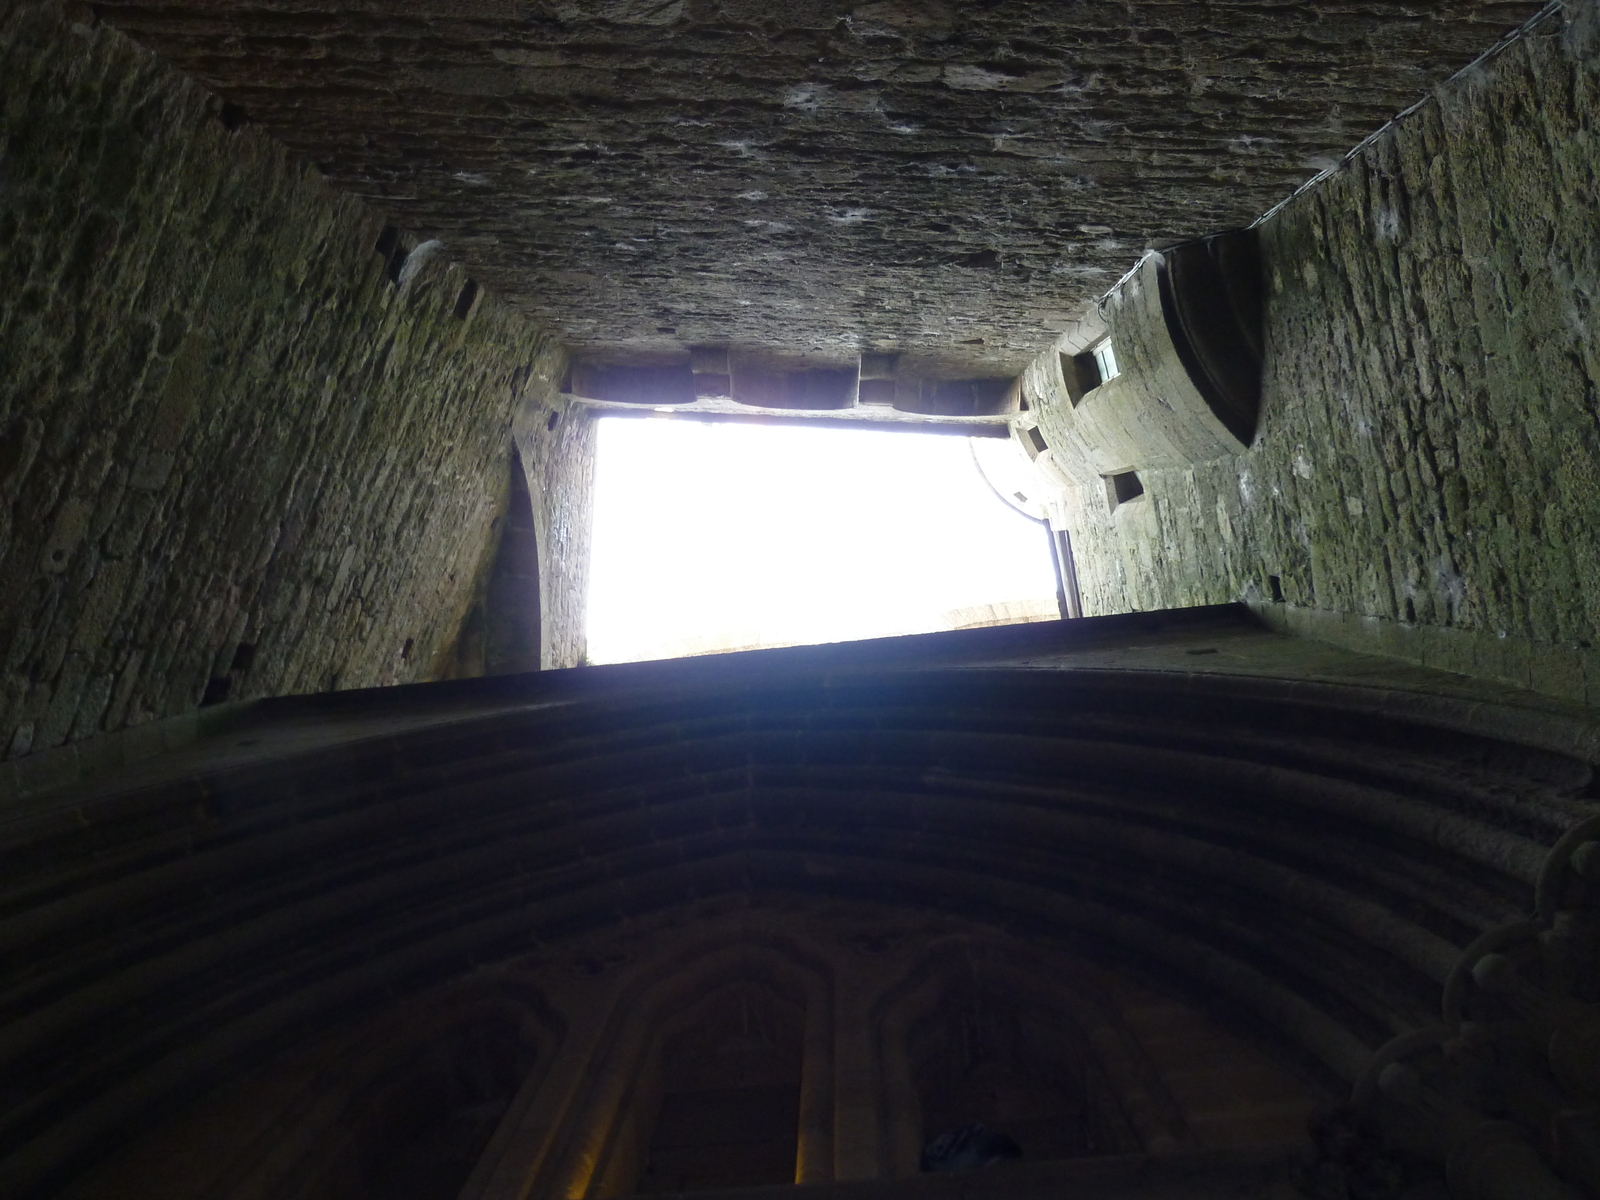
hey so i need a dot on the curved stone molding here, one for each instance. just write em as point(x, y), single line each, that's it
point(1211, 298)
point(362, 1102)
point(1129, 1108)
point(1503, 1094)
point(1308, 858)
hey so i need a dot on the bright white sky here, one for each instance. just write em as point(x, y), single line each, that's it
point(728, 535)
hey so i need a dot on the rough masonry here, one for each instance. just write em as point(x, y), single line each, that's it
point(252, 439)
point(824, 177)
point(1429, 445)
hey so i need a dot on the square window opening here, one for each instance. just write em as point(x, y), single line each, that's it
point(1123, 487)
point(1086, 371)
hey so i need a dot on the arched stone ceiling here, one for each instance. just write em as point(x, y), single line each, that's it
point(816, 177)
point(1312, 858)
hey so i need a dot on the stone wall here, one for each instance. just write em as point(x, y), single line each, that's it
point(557, 447)
point(249, 444)
point(947, 180)
point(1426, 473)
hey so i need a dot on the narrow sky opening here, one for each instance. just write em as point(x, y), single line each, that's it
point(722, 536)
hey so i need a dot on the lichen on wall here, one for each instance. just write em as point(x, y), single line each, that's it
point(1428, 453)
point(249, 444)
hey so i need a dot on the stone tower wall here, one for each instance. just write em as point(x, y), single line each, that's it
point(1425, 478)
point(243, 452)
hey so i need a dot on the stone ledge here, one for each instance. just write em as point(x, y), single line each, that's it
point(36, 774)
point(1564, 672)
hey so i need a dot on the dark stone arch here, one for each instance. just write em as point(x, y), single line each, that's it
point(652, 1002)
point(400, 1105)
point(1141, 1116)
point(1305, 853)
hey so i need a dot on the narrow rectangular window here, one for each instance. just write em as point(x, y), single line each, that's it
point(1087, 371)
point(1105, 360)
